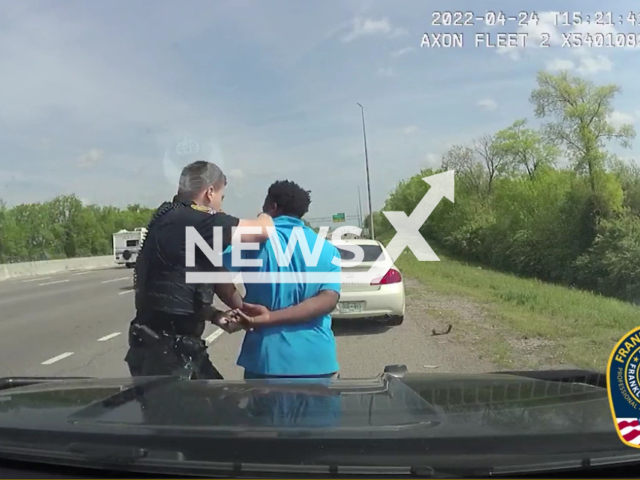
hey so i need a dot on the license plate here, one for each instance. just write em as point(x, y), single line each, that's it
point(351, 307)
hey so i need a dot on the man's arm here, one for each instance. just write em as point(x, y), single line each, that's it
point(221, 222)
point(256, 316)
point(323, 303)
point(263, 221)
point(214, 224)
point(228, 293)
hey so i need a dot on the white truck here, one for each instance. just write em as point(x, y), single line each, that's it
point(126, 246)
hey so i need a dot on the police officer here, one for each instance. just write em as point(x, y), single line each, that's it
point(165, 337)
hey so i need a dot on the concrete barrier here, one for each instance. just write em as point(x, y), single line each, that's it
point(28, 269)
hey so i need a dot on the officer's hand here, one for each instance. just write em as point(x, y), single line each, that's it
point(230, 326)
point(227, 321)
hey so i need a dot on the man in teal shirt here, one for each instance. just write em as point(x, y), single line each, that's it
point(290, 326)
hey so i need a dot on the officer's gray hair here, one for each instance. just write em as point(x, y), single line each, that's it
point(198, 176)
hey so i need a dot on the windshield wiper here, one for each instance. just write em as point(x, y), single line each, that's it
point(113, 454)
point(595, 379)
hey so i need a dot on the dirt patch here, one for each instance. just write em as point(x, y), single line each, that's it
point(435, 312)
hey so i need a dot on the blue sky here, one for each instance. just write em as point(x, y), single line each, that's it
point(95, 95)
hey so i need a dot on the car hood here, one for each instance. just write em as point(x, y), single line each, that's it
point(434, 404)
point(420, 414)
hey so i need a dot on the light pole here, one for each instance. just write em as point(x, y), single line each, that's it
point(366, 162)
point(359, 209)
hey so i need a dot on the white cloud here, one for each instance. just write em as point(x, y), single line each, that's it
point(560, 64)
point(399, 32)
point(90, 158)
point(432, 160)
point(402, 51)
point(542, 30)
point(510, 52)
point(618, 118)
point(546, 32)
point(538, 31)
point(410, 129)
point(488, 104)
point(586, 63)
point(386, 72)
point(595, 64)
point(591, 63)
point(592, 28)
point(366, 27)
point(236, 173)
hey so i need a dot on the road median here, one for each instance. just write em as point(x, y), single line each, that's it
point(46, 267)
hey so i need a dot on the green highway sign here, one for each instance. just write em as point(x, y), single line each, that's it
point(338, 217)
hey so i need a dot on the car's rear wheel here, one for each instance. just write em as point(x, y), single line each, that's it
point(395, 320)
point(130, 265)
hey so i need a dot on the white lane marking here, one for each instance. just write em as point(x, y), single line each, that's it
point(80, 273)
point(109, 337)
point(126, 291)
point(53, 283)
point(35, 279)
point(116, 280)
point(212, 338)
point(58, 358)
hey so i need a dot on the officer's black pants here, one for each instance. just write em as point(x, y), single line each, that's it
point(180, 355)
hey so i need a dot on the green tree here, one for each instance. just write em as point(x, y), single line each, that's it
point(525, 149)
point(63, 227)
point(492, 158)
point(517, 211)
point(469, 169)
point(628, 174)
point(612, 264)
point(579, 119)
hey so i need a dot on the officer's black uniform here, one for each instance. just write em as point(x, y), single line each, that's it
point(165, 336)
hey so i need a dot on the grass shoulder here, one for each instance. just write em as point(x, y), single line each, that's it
point(525, 323)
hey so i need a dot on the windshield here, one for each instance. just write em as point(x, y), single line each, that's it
point(167, 173)
point(371, 253)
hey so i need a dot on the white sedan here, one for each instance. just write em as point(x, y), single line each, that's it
point(382, 299)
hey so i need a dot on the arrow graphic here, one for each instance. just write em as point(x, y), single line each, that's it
point(408, 228)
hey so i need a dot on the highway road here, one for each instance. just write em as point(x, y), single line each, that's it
point(75, 324)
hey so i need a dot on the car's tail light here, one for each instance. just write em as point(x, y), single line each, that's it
point(392, 276)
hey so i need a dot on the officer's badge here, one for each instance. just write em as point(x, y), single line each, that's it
point(623, 385)
point(201, 208)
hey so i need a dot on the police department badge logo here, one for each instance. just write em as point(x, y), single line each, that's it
point(188, 147)
point(623, 385)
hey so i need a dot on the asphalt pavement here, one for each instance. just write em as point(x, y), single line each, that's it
point(75, 324)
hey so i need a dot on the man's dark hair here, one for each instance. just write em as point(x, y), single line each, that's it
point(291, 198)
